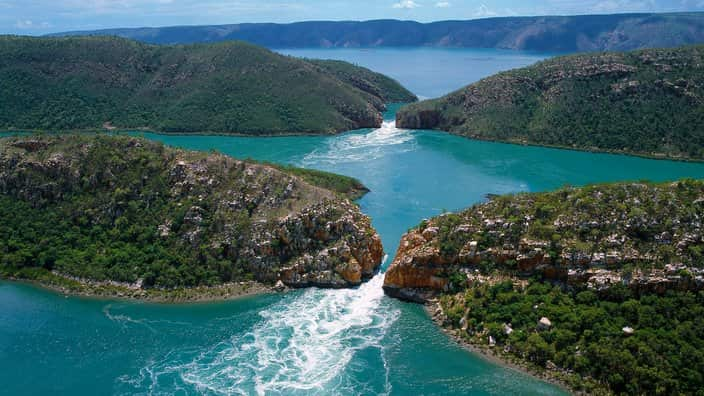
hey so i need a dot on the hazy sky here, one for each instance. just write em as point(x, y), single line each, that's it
point(42, 16)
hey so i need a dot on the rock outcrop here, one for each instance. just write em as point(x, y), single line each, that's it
point(218, 218)
point(418, 269)
point(647, 237)
point(423, 119)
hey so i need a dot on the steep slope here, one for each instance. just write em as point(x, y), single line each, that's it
point(646, 102)
point(233, 87)
point(600, 287)
point(544, 33)
point(575, 235)
point(123, 209)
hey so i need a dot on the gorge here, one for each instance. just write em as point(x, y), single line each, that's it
point(313, 340)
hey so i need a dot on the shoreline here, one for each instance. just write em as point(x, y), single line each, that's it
point(109, 128)
point(71, 287)
point(494, 356)
point(592, 150)
point(656, 157)
point(156, 132)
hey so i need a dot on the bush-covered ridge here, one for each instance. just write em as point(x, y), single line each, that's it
point(646, 102)
point(347, 186)
point(619, 342)
point(130, 210)
point(601, 287)
point(642, 224)
point(83, 83)
point(648, 236)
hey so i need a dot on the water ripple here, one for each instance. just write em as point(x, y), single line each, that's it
point(303, 345)
point(362, 147)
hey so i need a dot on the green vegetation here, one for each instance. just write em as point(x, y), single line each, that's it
point(616, 270)
point(664, 356)
point(115, 208)
point(648, 102)
point(110, 289)
point(347, 186)
point(88, 83)
point(642, 224)
point(388, 89)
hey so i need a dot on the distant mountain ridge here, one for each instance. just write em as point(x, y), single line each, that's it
point(548, 33)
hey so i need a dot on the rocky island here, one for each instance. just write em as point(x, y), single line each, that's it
point(126, 216)
point(600, 287)
point(646, 102)
point(91, 83)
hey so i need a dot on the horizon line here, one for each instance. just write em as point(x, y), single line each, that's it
point(489, 18)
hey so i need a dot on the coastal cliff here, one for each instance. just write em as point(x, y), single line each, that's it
point(595, 287)
point(644, 102)
point(127, 210)
point(648, 237)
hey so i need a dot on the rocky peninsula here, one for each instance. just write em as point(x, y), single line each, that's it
point(645, 103)
point(585, 285)
point(141, 218)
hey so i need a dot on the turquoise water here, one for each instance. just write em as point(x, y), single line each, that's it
point(309, 341)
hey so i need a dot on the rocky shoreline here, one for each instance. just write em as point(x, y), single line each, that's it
point(70, 286)
point(134, 210)
point(494, 355)
point(554, 283)
point(617, 237)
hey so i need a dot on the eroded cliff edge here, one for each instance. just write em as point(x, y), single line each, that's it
point(645, 236)
point(598, 288)
point(131, 211)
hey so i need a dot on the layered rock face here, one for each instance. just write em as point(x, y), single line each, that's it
point(225, 219)
point(330, 244)
point(419, 270)
point(648, 237)
point(422, 119)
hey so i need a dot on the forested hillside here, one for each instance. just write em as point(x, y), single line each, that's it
point(601, 287)
point(106, 82)
point(115, 208)
point(648, 102)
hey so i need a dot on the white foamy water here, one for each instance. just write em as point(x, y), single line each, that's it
point(315, 341)
point(303, 345)
point(361, 147)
